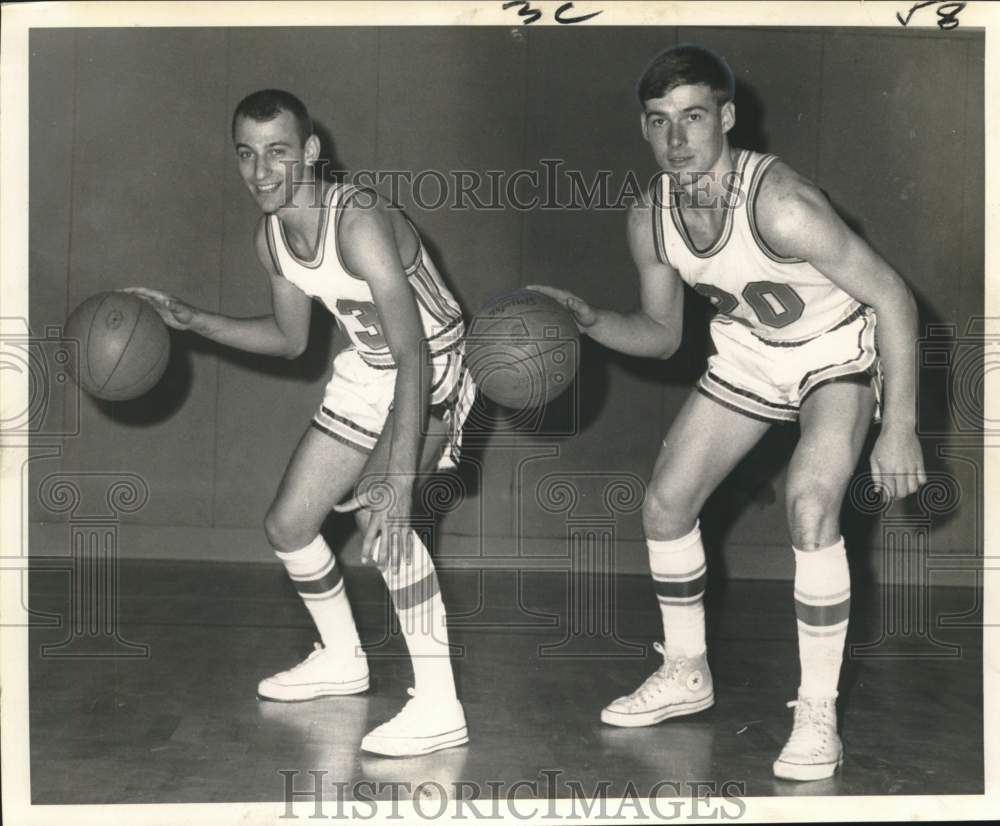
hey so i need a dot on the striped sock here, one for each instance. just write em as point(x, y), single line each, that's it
point(316, 576)
point(422, 618)
point(822, 608)
point(678, 568)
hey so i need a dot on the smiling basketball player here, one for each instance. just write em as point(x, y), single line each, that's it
point(394, 405)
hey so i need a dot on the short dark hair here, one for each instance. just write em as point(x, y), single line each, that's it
point(267, 104)
point(683, 65)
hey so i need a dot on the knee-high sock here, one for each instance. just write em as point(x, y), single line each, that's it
point(422, 618)
point(316, 576)
point(822, 608)
point(678, 568)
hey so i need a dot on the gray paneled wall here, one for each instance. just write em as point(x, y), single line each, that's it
point(133, 182)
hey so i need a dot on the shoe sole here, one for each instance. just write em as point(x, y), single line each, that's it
point(415, 747)
point(651, 718)
point(798, 771)
point(319, 690)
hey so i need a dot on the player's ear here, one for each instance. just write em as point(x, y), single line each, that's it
point(728, 115)
point(643, 126)
point(312, 149)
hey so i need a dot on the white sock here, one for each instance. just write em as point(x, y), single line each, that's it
point(422, 618)
point(678, 569)
point(316, 576)
point(822, 608)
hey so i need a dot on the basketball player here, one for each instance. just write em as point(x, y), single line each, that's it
point(394, 405)
point(808, 318)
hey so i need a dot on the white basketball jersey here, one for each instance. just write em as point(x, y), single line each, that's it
point(348, 297)
point(780, 299)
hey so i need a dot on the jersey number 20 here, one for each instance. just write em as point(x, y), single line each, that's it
point(775, 304)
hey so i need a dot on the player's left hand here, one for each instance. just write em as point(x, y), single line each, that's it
point(897, 462)
point(388, 539)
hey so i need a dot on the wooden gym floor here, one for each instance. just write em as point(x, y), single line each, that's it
point(183, 724)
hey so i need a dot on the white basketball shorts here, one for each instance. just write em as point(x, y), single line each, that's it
point(358, 399)
point(768, 380)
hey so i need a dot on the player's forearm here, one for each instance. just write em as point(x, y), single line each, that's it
point(635, 334)
point(260, 335)
point(410, 403)
point(896, 336)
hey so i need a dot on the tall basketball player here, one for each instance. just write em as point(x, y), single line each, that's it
point(808, 318)
point(394, 406)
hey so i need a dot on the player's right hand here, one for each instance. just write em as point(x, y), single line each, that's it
point(174, 312)
point(584, 315)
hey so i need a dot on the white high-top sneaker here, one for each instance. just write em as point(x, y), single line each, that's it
point(425, 725)
point(814, 750)
point(682, 685)
point(324, 673)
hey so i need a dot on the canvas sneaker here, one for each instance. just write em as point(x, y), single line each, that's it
point(682, 685)
point(423, 726)
point(324, 673)
point(814, 750)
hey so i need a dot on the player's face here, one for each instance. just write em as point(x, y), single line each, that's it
point(686, 129)
point(272, 158)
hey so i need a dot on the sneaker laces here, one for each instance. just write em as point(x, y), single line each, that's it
point(659, 679)
point(317, 650)
point(407, 708)
point(811, 726)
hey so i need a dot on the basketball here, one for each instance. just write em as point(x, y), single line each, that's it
point(522, 349)
point(124, 346)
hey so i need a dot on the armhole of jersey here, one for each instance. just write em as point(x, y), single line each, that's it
point(656, 210)
point(271, 248)
point(344, 196)
point(409, 269)
point(753, 190)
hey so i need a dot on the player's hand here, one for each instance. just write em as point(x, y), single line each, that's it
point(174, 312)
point(897, 462)
point(388, 539)
point(584, 315)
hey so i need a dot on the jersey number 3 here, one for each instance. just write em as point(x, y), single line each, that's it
point(775, 304)
point(364, 326)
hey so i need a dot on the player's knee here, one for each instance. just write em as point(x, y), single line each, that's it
point(813, 513)
point(284, 532)
point(667, 514)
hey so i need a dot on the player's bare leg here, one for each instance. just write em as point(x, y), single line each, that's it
point(322, 472)
point(433, 718)
point(704, 444)
point(835, 419)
